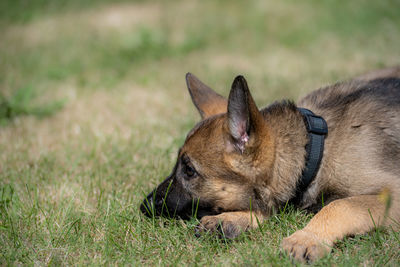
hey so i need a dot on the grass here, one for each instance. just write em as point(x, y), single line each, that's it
point(71, 182)
point(20, 103)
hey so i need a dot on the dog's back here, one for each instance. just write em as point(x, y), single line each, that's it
point(362, 151)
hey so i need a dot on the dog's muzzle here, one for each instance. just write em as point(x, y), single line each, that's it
point(150, 205)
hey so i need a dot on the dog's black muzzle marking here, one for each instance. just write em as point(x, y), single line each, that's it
point(171, 200)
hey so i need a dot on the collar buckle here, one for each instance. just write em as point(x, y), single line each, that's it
point(315, 124)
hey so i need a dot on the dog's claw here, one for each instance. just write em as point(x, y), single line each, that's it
point(305, 246)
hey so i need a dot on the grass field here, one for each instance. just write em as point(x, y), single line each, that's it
point(93, 108)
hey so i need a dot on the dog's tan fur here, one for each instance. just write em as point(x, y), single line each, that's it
point(246, 175)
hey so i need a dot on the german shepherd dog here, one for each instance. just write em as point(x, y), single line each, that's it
point(239, 164)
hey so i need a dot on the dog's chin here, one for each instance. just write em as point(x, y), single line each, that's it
point(194, 214)
point(189, 213)
point(184, 212)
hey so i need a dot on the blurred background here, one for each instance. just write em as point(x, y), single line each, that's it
point(93, 101)
point(58, 52)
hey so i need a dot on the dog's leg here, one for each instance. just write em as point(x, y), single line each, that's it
point(348, 216)
point(230, 224)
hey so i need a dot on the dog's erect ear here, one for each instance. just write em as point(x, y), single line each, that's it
point(204, 98)
point(243, 114)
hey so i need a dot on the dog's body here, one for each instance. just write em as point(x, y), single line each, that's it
point(242, 164)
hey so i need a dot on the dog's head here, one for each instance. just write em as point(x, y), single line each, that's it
point(222, 159)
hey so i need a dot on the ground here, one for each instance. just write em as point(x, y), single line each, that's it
point(98, 107)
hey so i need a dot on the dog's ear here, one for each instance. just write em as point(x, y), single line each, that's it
point(243, 114)
point(207, 101)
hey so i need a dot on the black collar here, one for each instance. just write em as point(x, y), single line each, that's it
point(317, 129)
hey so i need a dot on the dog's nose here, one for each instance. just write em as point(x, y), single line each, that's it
point(147, 206)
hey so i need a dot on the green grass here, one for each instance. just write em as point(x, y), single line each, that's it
point(71, 181)
point(20, 103)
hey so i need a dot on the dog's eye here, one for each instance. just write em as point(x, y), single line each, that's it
point(187, 168)
point(189, 171)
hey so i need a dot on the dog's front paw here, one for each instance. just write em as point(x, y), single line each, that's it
point(305, 246)
point(223, 224)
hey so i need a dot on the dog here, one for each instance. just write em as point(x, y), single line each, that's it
point(239, 164)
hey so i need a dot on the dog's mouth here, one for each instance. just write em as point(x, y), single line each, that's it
point(153, 206)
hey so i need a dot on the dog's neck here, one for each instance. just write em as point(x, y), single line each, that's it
point(290, 139)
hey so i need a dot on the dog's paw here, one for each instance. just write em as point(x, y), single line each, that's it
point(305, 246)
point(224, 225)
